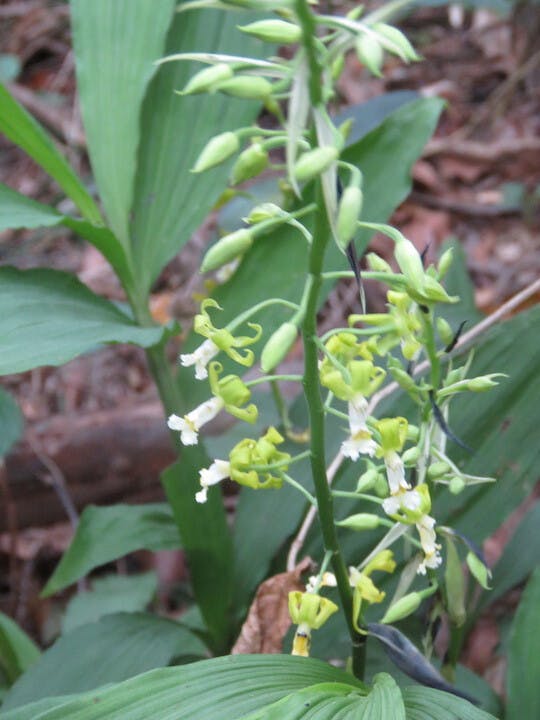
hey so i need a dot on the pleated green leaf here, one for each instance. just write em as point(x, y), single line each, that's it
point(170, 202)
point(523, 692)
point(206, 540)
point(21, 128)
point(115, 648)
point(17, 651)
point(49, 317)
point(18, 211)
point(253, 687)
point(105, 534)
point(116, 44)
point(110, 594)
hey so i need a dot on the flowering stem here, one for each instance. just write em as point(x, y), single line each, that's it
point(239, 319)
point(281, 405)
point(273, 378)
point(289, 480)
point(357, 496)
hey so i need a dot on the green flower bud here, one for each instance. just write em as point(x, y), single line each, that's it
point(278, 346)
point(480, 572)
point(411, 456)
point(216, 151)
point(370, 53)
point(453, 376)
point(274, 31)
point(250, 163)
point(361, 521)
point(456, 485)
point(399, 45)
point(445, 262)
point(381, 487)
point(377, 264)
point(337, 67)
point(263, 212)
point(413, 433)
point(350, 207)
point(410, 263)
point(367, 480)
point(435, 292)
point(403, 379)
point(248, 87)
point(454, 582)
point(445, 331)
point(437, 470)
point(314, 162)
point(403, 608)
point(207, 79)
point(226, 249)
point(483, 382)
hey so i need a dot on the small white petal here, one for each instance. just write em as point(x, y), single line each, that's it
point(356, 446)
point(190, 424)
point(200, 358)
point(391, 505)
point(175, 422)
point(202, 496)
point(395, 472)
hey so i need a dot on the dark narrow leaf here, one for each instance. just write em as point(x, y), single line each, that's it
point(452, 344)
point(410, 660)
point(441, 422)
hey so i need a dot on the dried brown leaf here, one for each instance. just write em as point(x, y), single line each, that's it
point(268, 618)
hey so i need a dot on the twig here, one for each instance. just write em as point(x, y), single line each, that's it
point(511, 304)
point(56, 480)
point(463, 208)
point(479, 151)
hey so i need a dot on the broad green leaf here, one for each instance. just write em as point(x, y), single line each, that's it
point(11, 422)
point(49, 317)
point(227, 687)
point(111, 594)
point(105, 534)
point(519, 558)
point(115, 46)
point(21, 128)
point(18, 211)
point(206, 540)
point(111, 650)
point(331, 700)
point(523, 692)
point(427, 704)
point(17, 651)
point(245, 688)
point(169, 201)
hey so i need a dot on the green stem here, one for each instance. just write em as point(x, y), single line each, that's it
point(272, 379)
point(431, 349)
point(281, 406)
point(296, 485)
point(312, 389)
point(357, 496)
point(239, 319)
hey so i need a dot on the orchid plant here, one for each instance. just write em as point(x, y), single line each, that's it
point(404, 464)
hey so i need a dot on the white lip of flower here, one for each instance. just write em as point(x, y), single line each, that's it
point(200, 358)
point(190, 424)
point(432, 557)
point(395, 472)
point(410, 500)
point(360, 442)
point(218, 471)
point(225, 272)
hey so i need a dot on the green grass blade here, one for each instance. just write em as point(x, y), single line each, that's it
point(21, 128)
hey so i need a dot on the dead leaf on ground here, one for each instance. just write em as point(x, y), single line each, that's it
point(268, 617)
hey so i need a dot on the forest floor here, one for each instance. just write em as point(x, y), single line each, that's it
point(478, 181)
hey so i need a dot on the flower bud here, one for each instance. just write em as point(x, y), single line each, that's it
point(229, 247)
point(361, 521)
point(481, 573)
point(456, 485)
point(337, 67)
point(370, 53)
point(435, 292)
point(250, 163)
point(216, 151)
point(377, 264)
point(381, 487)
point(410, 263)
point(350, 207)
point(263, 212)
point(402, 608)
point(399, 44)
point(445, 331)
point(411, 456)
point(274, 31)
point(278, 346)
point(248, 87)
point(445, 262)
point(413, 433)
point(314, 162)
point(367, 480)
point(437, 470)
point(207, 79)
point(482, 383)
point(403, 379)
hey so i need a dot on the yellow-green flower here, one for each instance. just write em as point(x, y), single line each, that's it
point(393, 432)
point(218, 339)
point(309, 611)
point(252, 460)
